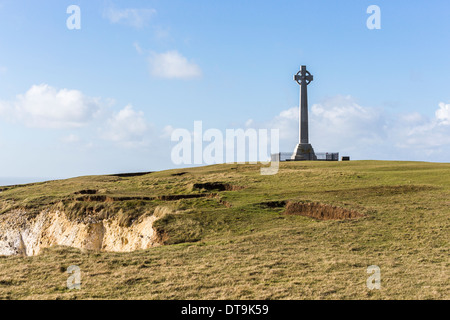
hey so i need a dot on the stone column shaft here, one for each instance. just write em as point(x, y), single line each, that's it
point(304, 135)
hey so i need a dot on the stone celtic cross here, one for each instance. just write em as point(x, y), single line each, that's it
point(303, 76)
point(304, 150)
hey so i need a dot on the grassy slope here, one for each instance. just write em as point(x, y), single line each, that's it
point(249, 251)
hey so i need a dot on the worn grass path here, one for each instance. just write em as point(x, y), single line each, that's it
point(248, 250)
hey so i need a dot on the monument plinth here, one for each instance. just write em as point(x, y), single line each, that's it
point(303, 150)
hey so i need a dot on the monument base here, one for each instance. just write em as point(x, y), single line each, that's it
point(303, 151)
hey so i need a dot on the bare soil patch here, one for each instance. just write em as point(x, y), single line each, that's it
point(174, 197)
point(179, 174)
point(274, 204)
point(320, 211)
point(219, 186)
point(86, 192)
point(181, 196)
point(129, 175)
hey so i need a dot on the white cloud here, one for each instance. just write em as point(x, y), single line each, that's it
point(138, 48)
point(71, 138)
point(128, 127)
point(161, 33)
point(340, 120)
point(443, 113)
point(341, 124)
point(44, 106)
point(137, 18)
point(172, 65)
point(167, 131)
point(249, 123)
point(421, 134)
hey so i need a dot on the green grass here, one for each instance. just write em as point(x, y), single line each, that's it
point(247, 250)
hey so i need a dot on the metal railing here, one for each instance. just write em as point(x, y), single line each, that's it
point(327, 156)
point(321, 156)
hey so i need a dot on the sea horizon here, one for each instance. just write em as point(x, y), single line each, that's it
point(11, 181)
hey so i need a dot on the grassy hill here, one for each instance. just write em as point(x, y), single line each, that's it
point(228, 236)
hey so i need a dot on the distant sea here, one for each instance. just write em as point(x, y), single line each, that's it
point(9, 181)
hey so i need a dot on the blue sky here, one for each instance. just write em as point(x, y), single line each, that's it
point(105, 98)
